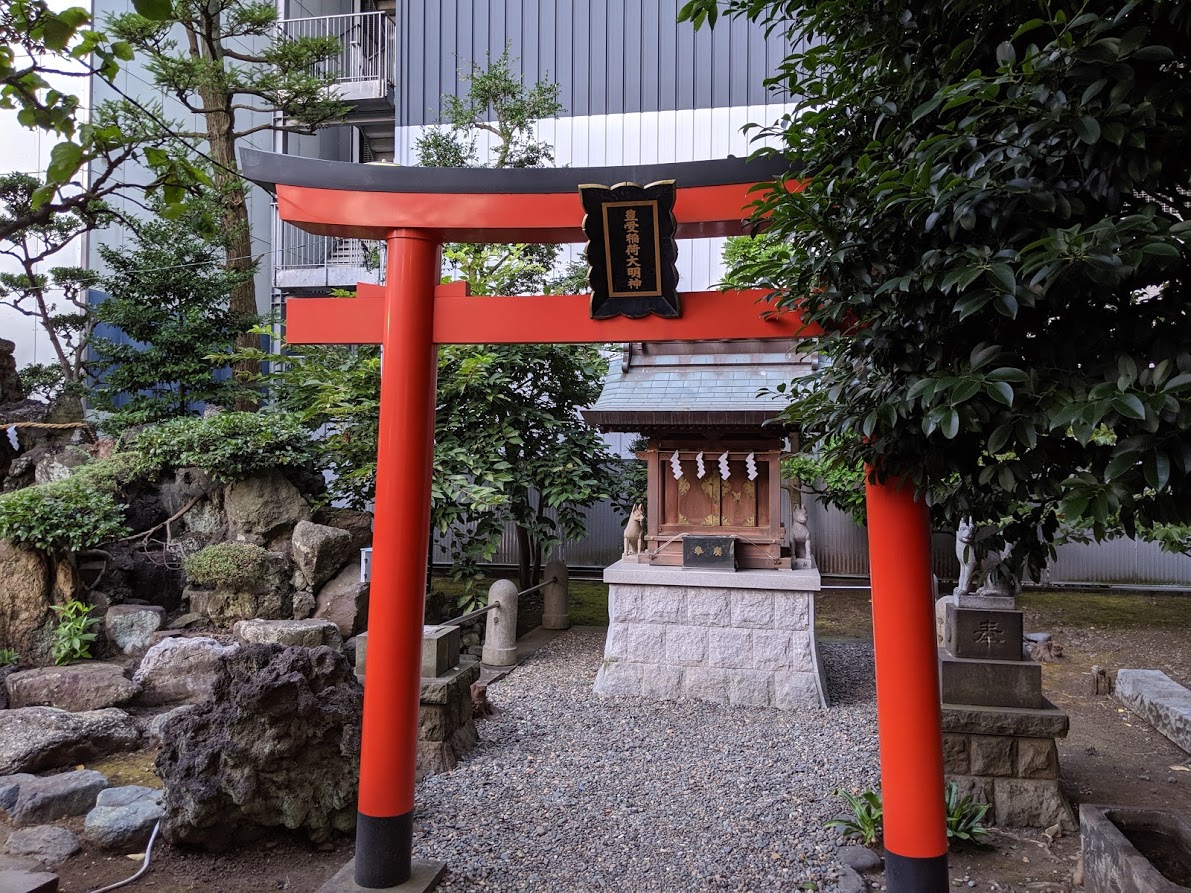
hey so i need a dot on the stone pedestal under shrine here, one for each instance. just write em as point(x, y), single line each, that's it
point(745, 638)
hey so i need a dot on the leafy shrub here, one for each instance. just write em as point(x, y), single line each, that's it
point(72, 633)
point(9, 656)
point(233, 565)
point(229, 446)
point(110, 474)
point(864, 821)
point(61, 516)
point(965, 817)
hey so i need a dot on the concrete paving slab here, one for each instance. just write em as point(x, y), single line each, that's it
point(424, 876)
point(1160, 701)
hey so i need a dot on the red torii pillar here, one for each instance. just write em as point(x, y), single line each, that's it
point(416, 210)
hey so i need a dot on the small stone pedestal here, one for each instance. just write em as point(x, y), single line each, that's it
point(745, 638)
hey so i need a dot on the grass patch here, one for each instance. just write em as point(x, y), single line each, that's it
point(1081, 608)
point(129, 768)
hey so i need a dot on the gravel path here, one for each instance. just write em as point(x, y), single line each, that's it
point(571, 793)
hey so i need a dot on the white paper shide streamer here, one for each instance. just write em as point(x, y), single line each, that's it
point(676, 466)
point(724, 472)
point(700, 468)
point(750, 464)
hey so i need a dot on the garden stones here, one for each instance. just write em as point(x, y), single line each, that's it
point(123, 818)
point(48, 844)
point(43, 800)
point(37, 738)
point(320, 552)
point(263, 507)
point(130, 627)
point(344, 601)
point(181, 670)
point(78, 687)
point(302, 633)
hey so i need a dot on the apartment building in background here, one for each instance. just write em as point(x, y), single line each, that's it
point(636, 87)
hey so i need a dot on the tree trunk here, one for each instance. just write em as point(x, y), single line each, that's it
point(237, 234)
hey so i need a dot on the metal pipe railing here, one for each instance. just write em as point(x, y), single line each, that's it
point(480, 612)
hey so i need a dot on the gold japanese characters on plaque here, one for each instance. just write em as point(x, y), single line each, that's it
point(631, 249)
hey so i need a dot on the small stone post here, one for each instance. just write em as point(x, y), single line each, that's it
point(500, 637)
point(556, 609)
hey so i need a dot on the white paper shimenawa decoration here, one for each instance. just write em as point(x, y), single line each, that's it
point(676, 466)
point(700, 468)
point(750, 464)
point(724, 472)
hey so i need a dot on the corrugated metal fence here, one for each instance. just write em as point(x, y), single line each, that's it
point(841, 549)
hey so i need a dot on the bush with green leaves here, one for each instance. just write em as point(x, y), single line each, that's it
point(9, 656)
point(110, 474)
point(72, 636)
point(230, 565)
point(62, 516)
point(229, 446)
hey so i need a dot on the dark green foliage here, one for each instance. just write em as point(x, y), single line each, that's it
point(170, 292)
point(630, 479)
point(63, 516)
point(231, 565)
point(994, 235)
point(72, 636)
point(829, 476)
point(229, 446)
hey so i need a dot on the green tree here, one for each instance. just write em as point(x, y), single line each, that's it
point(231, 62)
point(57, 299)
point(40, 44)
point(994, 236)
point(170, 293)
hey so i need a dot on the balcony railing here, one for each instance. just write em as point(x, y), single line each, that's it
point(363, 67)
point(306, 262)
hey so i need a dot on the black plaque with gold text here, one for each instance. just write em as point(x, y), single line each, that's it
point(631, 250)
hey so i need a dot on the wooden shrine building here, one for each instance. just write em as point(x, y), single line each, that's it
point(703, 409)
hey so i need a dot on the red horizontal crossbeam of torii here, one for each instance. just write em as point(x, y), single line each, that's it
point(460, 318)
point(416, 211)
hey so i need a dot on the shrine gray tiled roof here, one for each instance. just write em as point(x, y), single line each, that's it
point(712, 383)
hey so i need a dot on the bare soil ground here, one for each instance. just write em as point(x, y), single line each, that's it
point(1110, 756)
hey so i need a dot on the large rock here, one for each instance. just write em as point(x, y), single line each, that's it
point(356, 523)
point(36, 738)
point(78, 687)
point(181, 670)
point(10, 788)
point(344, 601)
point(320, 552)
point(263, 507)
point(269, 598)
point(56, 796)
point(123, 818)
point(128, 627)
point(302, 633)
point(21, 880)
point(277, 747)
point(46, 843)
point(30, 581)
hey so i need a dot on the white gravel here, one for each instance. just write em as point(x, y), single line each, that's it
point(571, 793)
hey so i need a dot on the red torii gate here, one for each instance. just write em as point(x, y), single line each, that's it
point(416, 210)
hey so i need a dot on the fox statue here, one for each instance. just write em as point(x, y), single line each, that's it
point(634, 531)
